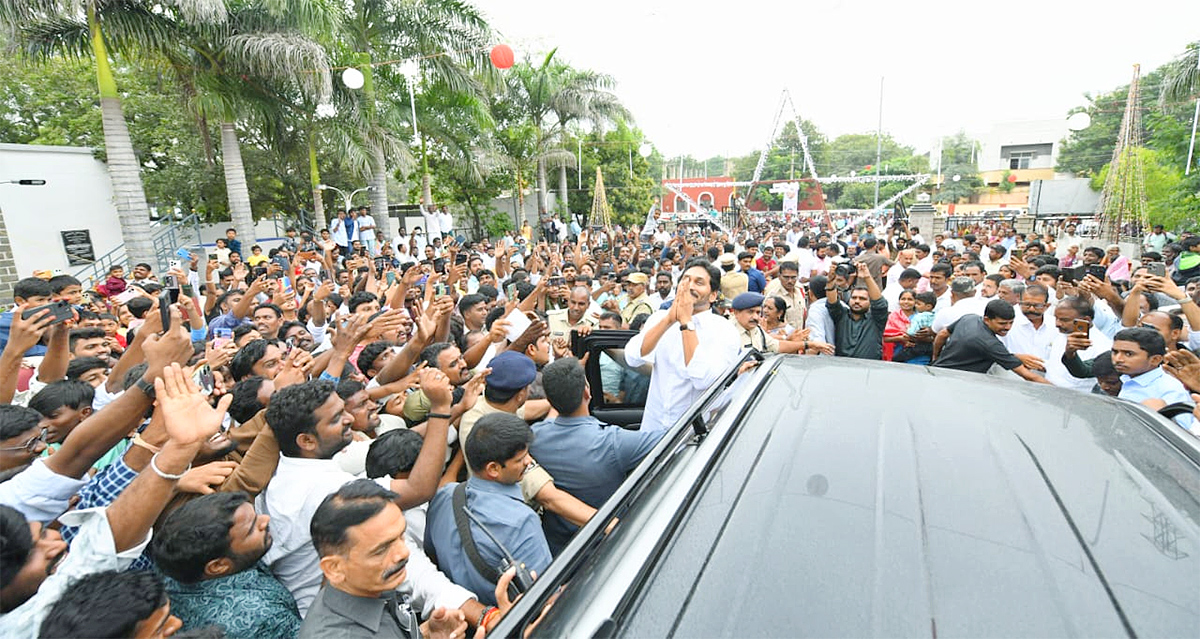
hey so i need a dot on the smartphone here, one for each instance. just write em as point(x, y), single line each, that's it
point(1082, 326)
point(221, 337)
point(556, 281)
point(461, 258)
point(1158, 269)
point(126, 295)
point(1097, 271)
point(1072, 274)
point(61, 310)
point(204, 379)
point(164, 309)
point(1018, 253)
point(510, 291)
point(173, 265)
point(440, 289)
point(285, 284)
point(391, 277)
point(259, 271)
point(183, 254)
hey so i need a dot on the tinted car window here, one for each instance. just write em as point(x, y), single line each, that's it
point(938, 508)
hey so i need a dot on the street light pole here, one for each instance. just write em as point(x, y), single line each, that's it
point(348, 197)
point(879, 143)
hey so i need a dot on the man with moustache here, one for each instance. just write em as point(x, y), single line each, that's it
point(311, 424)
point(358, 533)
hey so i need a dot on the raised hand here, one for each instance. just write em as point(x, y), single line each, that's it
point(26, 333)
point(295, 368)
point(187, 415)
point(174, 346)
point(436, 387)
point(201, 479)
point(473, 389)
point(1184, 365)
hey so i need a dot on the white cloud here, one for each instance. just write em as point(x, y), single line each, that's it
point(704, 78)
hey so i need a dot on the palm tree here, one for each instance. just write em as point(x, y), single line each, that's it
point(552, 96)
point(45, 28)
point(1182, 79)
point(445, 37)
point(249, 69)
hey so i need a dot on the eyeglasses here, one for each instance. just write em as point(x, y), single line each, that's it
point(29, 446)
point(1033, 306)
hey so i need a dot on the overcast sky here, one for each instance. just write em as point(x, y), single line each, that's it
point(707, 81)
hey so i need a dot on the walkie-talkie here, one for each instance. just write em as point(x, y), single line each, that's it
point(523, 580)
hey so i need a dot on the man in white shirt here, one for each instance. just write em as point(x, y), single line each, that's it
point(905, 279)
point(311, 425)
point(963, 302)
point(1070, 314)
point(366, 229)
point(1033, 330)
point(1066, 240)
point(433, 223)
point(670, 342)
point(819, 323)
point(446, 221)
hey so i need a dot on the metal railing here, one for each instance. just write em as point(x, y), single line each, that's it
point(165, 239)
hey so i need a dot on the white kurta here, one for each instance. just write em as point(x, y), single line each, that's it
point(674, 385)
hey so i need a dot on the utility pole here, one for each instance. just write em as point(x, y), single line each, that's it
point(879, 142)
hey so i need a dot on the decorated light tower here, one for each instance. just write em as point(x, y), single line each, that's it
point(1122, 208)
point(601, 212)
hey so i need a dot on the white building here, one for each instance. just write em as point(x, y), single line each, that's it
point(74, 208)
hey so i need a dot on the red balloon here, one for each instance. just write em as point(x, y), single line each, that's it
point(1012, 178)
point(502, 56)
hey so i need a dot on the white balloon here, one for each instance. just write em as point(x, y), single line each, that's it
point(956, 177)
point(645, 150)
point(353, 78)
point(1079, 121)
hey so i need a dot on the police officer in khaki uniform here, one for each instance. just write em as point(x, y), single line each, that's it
point(639, 302)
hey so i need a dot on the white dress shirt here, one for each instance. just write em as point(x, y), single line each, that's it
point(366, 234)
point(446, 223)
point(292, 497)
point(93, 550)
point(819, 323)
point(952, 313)
point(1024, 339)
point(674, 385)
point(1056, 371)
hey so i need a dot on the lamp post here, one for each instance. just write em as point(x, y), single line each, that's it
point(348, 197)
point(26, 182)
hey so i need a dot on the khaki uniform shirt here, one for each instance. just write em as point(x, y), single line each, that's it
point(796, 302)
point(755, 337)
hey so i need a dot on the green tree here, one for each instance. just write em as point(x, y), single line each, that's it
point(445, 39)
point(47, 28)
point(958, 159)
point(629, 194)
point(551, 96)
point(235, 73)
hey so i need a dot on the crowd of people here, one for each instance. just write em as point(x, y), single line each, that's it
point(349, 435)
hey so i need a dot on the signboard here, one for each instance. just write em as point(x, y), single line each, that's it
point(790, 191)
point(78, 245)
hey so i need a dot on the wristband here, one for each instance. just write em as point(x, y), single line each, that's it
point(490, 616)
point(483, 616)
point(437, 416)
point(138, 441)
point(167, 476)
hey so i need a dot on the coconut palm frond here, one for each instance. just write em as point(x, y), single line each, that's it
point(200, 12)
point(42, 39)
point(17, 13)
point(555, 158)
point(290, 56)
point(1182, 80)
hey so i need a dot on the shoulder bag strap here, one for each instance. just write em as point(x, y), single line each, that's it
point(467, 539)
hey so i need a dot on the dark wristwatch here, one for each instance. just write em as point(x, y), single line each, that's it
point(685, 327)
point(146, 387)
